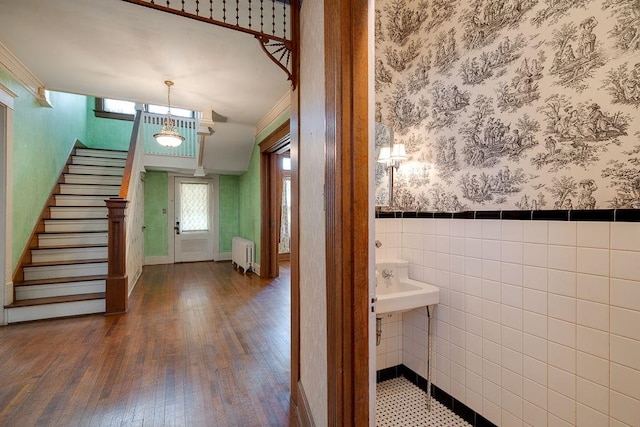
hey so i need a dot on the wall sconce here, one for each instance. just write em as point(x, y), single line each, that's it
point(392, 158)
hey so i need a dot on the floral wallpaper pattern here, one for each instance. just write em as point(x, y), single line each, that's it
point(510, 104)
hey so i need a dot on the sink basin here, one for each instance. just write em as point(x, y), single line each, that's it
point(399, 293)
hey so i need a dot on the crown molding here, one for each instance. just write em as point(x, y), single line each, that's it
point(24, 76)
point(276, 111)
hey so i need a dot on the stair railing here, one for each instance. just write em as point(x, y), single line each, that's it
point(125, 237)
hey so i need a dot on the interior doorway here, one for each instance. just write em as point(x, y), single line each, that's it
point(284, 239)
point(6, 214)
point(272, 152)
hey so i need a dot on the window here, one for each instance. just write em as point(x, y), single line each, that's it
point(115, 109)
point(162, 109)
point(286, 163)
point(126, 110)
point(194, 207)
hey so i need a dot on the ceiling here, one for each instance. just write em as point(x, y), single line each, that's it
point(114, 49)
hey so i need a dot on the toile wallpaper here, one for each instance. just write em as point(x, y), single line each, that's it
point(510, 104)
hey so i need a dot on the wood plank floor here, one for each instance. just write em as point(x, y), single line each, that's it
point(202, 345)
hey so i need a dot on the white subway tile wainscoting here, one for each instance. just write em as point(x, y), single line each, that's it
point(538, 322)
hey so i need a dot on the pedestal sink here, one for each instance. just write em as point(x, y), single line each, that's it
point(396, 292)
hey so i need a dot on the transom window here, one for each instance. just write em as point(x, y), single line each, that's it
point(126, 110)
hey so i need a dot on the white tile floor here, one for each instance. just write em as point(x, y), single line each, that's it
point(401, 403)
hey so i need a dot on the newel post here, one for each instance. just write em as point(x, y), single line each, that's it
point(117, 292)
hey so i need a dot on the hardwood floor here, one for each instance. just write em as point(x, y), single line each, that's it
point(202, 344)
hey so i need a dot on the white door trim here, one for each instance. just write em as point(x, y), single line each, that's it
point(6, 199)
point(171, 215)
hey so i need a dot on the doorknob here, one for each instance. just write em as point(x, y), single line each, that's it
point(177, 227)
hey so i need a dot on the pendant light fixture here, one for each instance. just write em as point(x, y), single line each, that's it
point(168, 135)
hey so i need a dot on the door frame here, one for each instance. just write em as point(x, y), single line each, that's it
point(347, 210)
point(171, 214)
point(277, 143)
point(7, 97)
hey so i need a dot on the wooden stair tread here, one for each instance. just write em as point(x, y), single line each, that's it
point(70, 247)
point(76, 219)
point(61, 280)
point(89, 185)
point(106, 196)
point(87, 174)
point(56, 263)
point(69, 232)
point(56, 300)
point(79, 207)
point(97, 166)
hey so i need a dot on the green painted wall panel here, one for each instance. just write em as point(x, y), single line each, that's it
point(249, 188)
point(43, 138)
point(249, 201)
point(156, 205)
point(228, 211)
point(109, 134)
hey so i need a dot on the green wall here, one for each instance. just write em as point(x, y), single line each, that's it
point(43, 138)
point(249, 201)
point(110, 134)
point(228, 211)
point(156, 205)
point(249, 189)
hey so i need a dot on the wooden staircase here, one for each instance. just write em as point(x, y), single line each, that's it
point(64, 271)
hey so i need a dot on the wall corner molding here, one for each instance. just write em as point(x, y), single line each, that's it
point(24, 76)
point(276, 111)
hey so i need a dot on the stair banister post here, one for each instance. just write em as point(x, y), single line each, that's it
point(117, 289)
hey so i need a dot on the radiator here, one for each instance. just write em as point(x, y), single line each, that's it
point(242, 253)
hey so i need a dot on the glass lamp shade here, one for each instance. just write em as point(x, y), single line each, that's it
point(169, 137)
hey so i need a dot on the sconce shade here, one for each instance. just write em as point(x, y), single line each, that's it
point(399, 152)
point(385, 155)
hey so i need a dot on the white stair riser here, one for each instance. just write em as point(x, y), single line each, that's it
point(59, 271)
point(90, 190)
point(92, 179)
point(95, 170)
point(101, 153)
point(50, 311)
point(80, 200)
point(60, 289)
point(96, 161)
point(74, 212)
point(70, 254)
point(72, 226)
point(45, 241)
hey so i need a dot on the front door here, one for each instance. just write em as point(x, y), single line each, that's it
point(193, 227)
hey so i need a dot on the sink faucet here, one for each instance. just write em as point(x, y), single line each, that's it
point(387, 273)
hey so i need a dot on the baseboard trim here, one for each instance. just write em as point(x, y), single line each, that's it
point(255, 268)
point(453, 404)
point(222, 256)
point(304, 411)
point(157, 260)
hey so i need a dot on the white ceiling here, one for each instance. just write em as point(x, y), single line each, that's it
point(114, 49)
